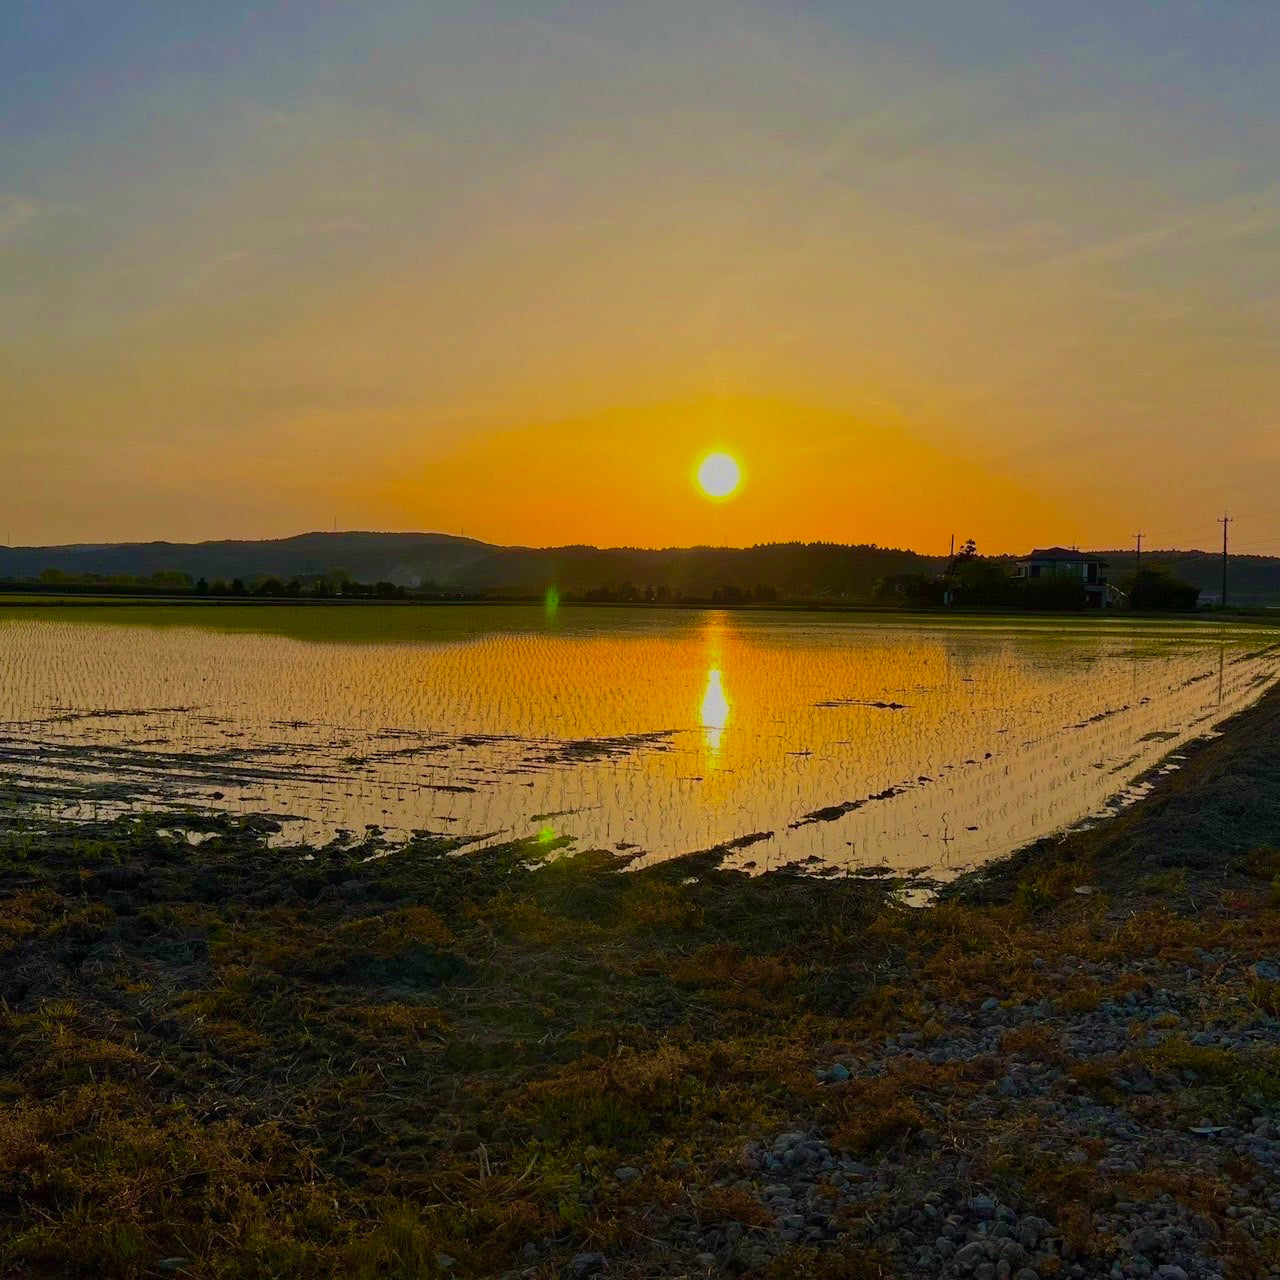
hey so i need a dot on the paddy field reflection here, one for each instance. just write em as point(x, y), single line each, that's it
point(849, 739)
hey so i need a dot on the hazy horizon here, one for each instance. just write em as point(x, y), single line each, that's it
point(1004, 270)
point(1148, 549)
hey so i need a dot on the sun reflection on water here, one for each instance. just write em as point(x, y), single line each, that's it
point(715, 712)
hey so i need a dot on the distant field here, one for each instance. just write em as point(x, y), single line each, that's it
point(852, 738)
point(397, 621)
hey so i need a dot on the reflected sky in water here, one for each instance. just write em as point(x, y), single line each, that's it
point(849, 739)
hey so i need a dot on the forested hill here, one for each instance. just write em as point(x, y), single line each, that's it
point(791, 569)
point(398, 557)
point(463, 564)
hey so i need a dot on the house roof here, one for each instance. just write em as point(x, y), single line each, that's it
point(1063, 555)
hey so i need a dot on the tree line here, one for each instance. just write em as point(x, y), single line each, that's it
point(727, 594)
point(334, 585)
point(974, 581)
point(967, 580)
point(296, 589)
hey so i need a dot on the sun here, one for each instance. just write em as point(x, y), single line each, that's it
point(719, 475)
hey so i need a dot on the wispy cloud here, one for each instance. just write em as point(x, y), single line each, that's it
point(1209, 225)
point(15, 211)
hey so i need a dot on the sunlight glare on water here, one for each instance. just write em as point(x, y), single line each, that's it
point(849, 739)
point(715, 713)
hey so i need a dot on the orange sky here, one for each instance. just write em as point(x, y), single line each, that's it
point(616, 477)
point(514, 267)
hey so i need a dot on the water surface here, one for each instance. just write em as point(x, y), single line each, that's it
point(846, 739)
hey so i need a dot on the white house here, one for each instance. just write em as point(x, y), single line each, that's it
point(1053, 562)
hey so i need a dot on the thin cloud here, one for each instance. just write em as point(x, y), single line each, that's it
point(15, 211)
point(1210, 225)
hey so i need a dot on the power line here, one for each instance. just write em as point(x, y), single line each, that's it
point(1181, 540)
point(1170, 540)
point(1267, 510)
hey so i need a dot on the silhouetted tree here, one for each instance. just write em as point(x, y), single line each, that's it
point(977, 580)
point(1156, 588)
point(910, 588)
point(968, 551)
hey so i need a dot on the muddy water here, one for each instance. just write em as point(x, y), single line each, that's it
point(850, 739)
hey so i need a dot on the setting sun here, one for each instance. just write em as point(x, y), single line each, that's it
point(719, 475)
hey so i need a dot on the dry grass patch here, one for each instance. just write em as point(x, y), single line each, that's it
point(732, 1204)
point(1035, 1042)
point(871, 1114)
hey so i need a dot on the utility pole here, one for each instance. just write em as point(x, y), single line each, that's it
point(1224, 522)
point(1137, 559)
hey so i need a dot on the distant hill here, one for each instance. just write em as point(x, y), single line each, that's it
point(792, 569)
point(396, 557)
point(464, 564)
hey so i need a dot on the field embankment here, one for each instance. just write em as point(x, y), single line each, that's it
point(232, 1061)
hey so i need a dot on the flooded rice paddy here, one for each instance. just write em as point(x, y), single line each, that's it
point(858, 740)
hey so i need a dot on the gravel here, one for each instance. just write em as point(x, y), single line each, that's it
point(916, 1201)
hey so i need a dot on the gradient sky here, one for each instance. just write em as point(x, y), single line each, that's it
point(1005, 269)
